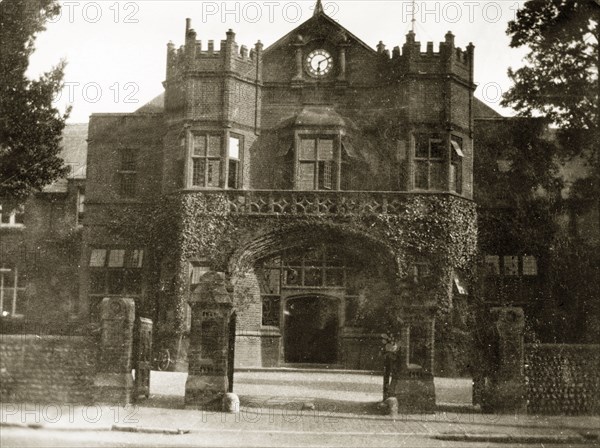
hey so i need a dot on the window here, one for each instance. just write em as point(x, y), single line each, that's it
point(233, 157)
point(456, 164)
point(430, 154)
point(316, 164)
point(115, 272)
point(12, 290)
point(80, 206)
point(197, 270)
point(421, 272)
point(206, 161)
point(511, 278)
point(14, 217)
point(128, 173)
point(270, 311)
point(317, 268)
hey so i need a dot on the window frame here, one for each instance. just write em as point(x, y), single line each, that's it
point(457, 156)
point(236, 162)
point(12, 293)
point(16, 217)
point(318, 164)
point(429, 161)
point(127, 271)
point(128, 169)
point(208, 160)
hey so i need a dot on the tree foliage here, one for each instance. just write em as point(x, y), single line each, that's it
point(560, 78)
point(30, 125)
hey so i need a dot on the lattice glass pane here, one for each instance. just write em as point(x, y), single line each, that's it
point(133, 281)
point(492, 265)
point(438, 148)
point(116, 281)
point(116, 258)
point(128, 185)
point(511, 266)
point(421, 175)
point(530, 265)
point(128, 160)
point(232, 181)
point(270, 311)
point(351, 309)
point(325, 175)
point(313, 277)
point(325, 149)
point(200, 145)
point(422, 146)
point(437, 175)
point(293, 277)
point(269, 281)
point(98, 258)
point(214, 146)
point(306, 176)
point(214, 173)
point(334, 277)
point(134, 258)
point(198, 167)
point(307, 148)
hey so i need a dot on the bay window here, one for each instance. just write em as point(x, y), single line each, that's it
point(233, 162)
point(430, 156)
point(206, 160)
point(316, 164)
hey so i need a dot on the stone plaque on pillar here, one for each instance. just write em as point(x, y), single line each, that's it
point(212, 305)
point(114, 382)
point(412, 384)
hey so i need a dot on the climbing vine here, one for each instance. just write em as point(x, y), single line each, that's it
point(440, 229)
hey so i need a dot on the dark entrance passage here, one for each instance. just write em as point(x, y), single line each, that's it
point(311, 325)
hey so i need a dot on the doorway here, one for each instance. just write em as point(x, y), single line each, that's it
point(310, 330)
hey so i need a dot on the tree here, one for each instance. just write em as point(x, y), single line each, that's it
point(560, 79)
point(30, 126)
point(560, 82)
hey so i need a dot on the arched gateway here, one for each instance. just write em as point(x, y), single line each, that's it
point(320, 303)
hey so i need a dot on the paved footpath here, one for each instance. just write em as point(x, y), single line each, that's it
point(278, 408)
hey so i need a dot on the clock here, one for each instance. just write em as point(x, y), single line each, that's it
point(319, 63)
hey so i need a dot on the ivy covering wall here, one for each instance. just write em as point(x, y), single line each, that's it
point(441, 229)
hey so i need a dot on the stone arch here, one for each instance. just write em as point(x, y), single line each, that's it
point(261, 343)
point(269, 242)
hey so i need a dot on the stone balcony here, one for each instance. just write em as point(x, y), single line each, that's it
point(325, 203)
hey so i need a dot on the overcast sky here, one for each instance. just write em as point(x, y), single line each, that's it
point(116, 50)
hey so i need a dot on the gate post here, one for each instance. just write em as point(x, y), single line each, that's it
point(506, 391)
point(212, 307)
point(114, 382)
point(142, 357)
point(412, 384)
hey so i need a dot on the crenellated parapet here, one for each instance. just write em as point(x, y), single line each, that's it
point(449, 59)
point(231, 58)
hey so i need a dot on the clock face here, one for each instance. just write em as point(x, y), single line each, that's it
point(319, 63)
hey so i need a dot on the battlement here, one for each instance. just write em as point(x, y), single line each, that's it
point(448, 59)
point(230, 57)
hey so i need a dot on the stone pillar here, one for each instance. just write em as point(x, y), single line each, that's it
point(298, 78)
point(212, 306)
point(506, 393)
point(413, 384)
point(114, 382)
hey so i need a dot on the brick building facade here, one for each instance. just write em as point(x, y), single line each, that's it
point(286, 168)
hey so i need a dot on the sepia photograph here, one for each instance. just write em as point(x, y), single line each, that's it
point(309, 223)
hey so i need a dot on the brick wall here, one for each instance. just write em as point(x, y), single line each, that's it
point(562, 379)
point(47, 369)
